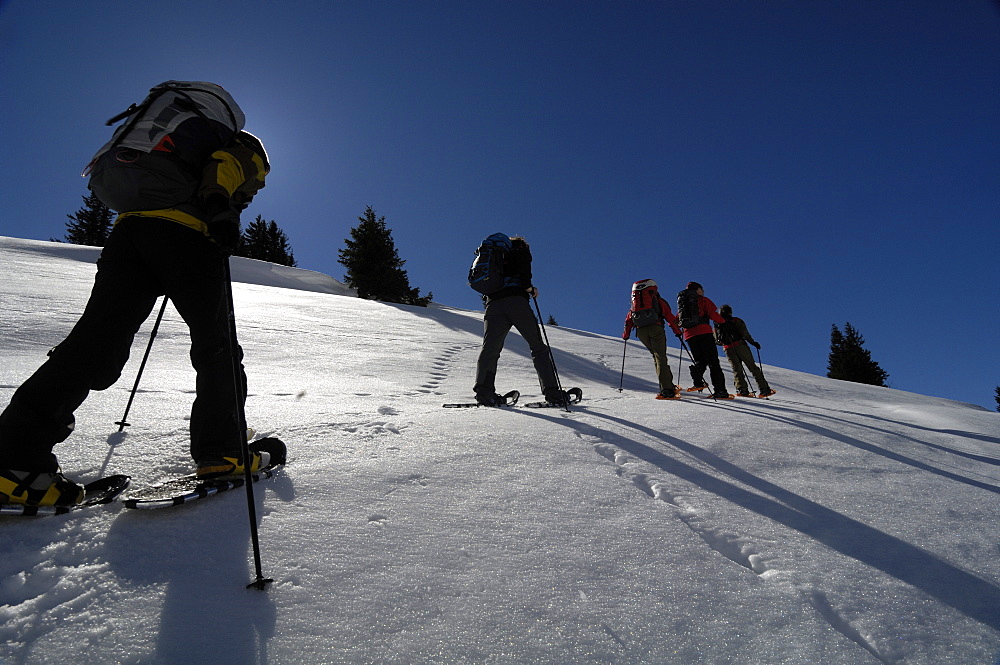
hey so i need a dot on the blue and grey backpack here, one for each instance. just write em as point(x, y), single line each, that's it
point(487, 272)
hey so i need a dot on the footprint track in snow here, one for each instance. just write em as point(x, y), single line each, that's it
point(734, 547)
point(441, 368)
point(843, 625)
point(738, 549)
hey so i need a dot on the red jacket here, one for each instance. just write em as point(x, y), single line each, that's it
point(706, 308)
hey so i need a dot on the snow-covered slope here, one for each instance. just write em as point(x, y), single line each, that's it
point(833, 524)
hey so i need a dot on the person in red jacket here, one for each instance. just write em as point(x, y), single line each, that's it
point(695, 314)
point(648, 316)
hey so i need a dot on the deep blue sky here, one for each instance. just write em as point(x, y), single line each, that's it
point(810, 163)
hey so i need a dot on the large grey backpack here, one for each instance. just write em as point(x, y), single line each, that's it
point(154, 160)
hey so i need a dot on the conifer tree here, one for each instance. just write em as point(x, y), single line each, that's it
point(91, 224)
point(850, 361)
point(998, 398)
point(265, 241)
point(552, 321)
point(373, 265)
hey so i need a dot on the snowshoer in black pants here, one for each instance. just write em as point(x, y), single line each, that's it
point(694, 313)
point(178, 251)
point(509, 307)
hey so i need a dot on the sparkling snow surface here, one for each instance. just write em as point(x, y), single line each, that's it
point(834, 524)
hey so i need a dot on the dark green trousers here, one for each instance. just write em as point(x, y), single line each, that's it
point(738, 357)
point(654, 338)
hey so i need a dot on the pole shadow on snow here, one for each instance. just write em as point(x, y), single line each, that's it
point(965, 591)
point(834, 435)
point(199, 554)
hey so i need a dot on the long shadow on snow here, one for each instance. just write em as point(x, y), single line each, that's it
point(949, 432)
point(968, 593)
point(872, 448)
point(199, 553)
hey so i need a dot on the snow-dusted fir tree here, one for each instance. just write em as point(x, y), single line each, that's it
point(373, 265)
point(850, 361)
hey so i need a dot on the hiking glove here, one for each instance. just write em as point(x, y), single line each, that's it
point(225, 230)
point(756, 345)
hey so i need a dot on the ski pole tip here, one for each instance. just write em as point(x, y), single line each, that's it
point(260, 584)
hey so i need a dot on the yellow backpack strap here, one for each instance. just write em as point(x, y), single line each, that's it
point(236, 171)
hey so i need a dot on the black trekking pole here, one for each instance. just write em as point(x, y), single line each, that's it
point(690, 357)
point(680, 361)
point(261, 582)
point(552, 357)
point(746, 374)
point(621, 384)
point(123, 423)
point(760, 365)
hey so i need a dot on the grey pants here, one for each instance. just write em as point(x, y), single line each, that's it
point(501, 316)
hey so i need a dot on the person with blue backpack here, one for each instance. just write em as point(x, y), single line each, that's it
point(502, 274)
point(179, 171)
